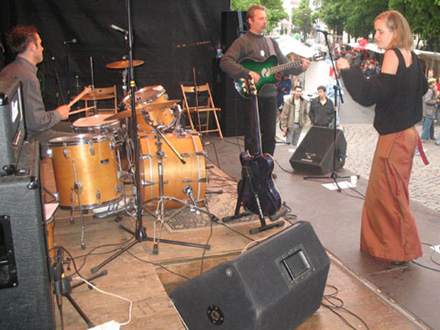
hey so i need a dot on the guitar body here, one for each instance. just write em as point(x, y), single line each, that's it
point(258, 169)
point(263, 69)
point(268, 70)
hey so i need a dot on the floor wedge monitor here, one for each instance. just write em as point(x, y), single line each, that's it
point(316, 153)
point(277, 284)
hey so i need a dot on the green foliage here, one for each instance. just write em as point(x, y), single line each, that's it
point(302, 17)
point(354, 16)
point(274, 10)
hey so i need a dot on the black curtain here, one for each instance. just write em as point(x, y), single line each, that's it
point(172, 37)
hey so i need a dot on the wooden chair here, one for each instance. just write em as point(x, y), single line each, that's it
point(104, 96)
point(198, 100)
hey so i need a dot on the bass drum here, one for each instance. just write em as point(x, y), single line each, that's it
point(86, 171)
point(177, 177)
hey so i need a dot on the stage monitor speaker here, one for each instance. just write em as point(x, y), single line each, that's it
point(315, 154)
point(26, 299)
point(277, 284)
point(232, 28)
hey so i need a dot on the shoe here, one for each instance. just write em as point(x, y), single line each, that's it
point(398, 263)
point(424, 141)
point(274, 176)
point(437, 144)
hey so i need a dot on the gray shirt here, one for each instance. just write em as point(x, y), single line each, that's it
point(37, 119)
point(254, 47)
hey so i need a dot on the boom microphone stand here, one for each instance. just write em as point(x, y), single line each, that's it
point(337, 92)
point(140, 233)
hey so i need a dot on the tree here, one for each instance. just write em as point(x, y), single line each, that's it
point(356, 17)
point(302, 17)
point(274, 10)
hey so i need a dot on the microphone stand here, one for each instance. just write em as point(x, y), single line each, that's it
point(337, 92)
point(140, 233)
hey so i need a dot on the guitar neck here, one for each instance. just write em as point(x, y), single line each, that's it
point(285, 66)
point(256, 125)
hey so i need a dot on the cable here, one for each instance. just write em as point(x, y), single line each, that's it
point(109, 294)
point(332, 306)
point(158, 265)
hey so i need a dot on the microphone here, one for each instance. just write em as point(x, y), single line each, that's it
point(72, 41)
point(117, 28)
point(322, 31)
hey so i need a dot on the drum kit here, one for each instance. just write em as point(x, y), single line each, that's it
point(88, 170)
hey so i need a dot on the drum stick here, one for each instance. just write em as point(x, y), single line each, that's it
point(79, 96)
point(81, 110)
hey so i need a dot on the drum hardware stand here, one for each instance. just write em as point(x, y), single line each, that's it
point(77, 188)
point(337, 92)
point(62, 286)
point(57, 78)
point(95, 104)
point(140, 233)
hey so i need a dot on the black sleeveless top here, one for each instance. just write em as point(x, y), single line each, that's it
point(398, 97)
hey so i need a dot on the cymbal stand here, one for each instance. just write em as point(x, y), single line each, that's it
point(140, 233)
point(337, 93)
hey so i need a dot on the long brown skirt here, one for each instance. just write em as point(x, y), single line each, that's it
point(389, 229)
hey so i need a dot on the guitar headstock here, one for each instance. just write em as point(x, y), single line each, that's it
point(249, 85)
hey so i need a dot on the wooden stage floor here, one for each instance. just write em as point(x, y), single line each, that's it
point(145, 279)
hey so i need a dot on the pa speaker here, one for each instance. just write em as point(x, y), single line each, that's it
point(25, 289)
point(278, 284)
point(234, 25)
point(316, 152)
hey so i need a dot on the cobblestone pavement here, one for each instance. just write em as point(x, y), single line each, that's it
point(425, 180)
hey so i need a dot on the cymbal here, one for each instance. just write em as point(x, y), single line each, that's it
point(123, 64)
point(146, 106)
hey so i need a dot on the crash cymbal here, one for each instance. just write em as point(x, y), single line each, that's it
point(124, 64)
point(146, 106)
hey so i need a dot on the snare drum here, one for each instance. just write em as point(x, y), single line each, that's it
point(86, 171)
point(175, 174)
point(97, 125)
point(159, 117)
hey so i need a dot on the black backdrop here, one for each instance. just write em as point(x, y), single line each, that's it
point(171, 36)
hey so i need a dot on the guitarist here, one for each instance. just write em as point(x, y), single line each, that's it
point(255, 46)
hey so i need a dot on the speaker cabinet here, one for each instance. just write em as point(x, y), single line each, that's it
point(25, 291)
point(316, 153)
point(278, 284)
point(229, 100)
point(232, 28)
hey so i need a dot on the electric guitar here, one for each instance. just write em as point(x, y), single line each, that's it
point(268, 71)
point(259, 192)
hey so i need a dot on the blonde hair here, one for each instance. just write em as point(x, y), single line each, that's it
point(396, 22)
point(251, 11)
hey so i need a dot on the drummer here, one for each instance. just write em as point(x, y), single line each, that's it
point(41, 125)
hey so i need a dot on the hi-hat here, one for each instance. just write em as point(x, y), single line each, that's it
point(145, 106)
point(123, 64)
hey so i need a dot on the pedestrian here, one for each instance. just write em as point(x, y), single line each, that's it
point(322, 109)
point(294, 116)
point(389, 231)
point(429, 105)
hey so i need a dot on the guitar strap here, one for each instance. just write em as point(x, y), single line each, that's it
point(271, 46)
